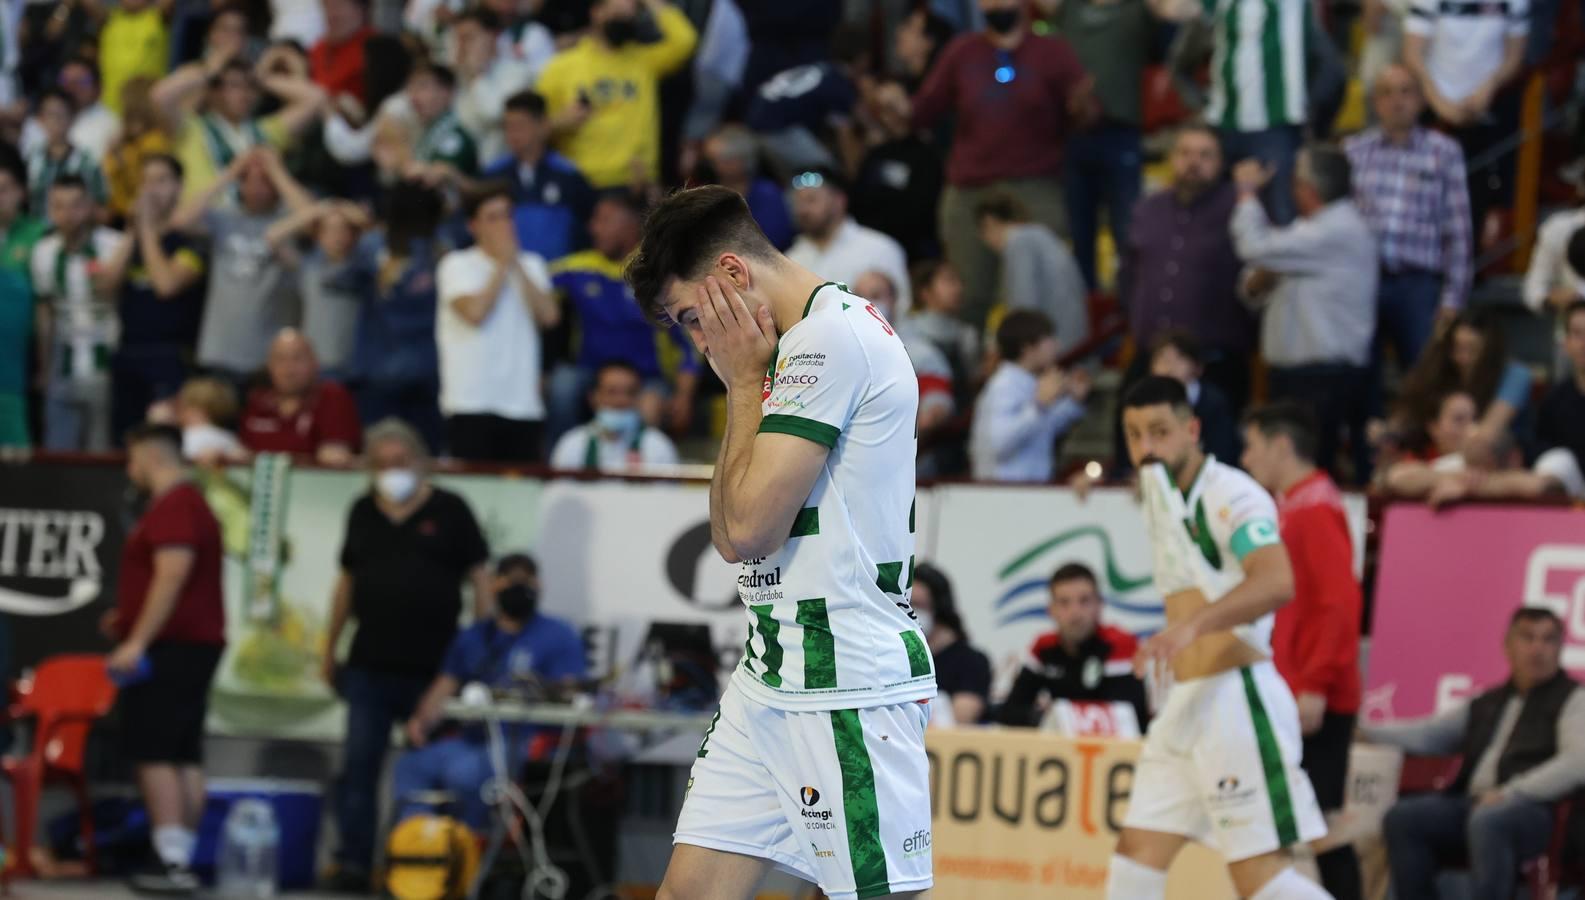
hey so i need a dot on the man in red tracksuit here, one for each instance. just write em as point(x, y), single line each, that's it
point(1315, 644)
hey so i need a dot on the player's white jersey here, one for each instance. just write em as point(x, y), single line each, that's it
point(829, 621)
point(1228, 515)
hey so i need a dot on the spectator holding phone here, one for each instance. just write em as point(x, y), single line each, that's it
point(170, 628)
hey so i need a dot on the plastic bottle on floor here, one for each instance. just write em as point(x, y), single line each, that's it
point(249, 848)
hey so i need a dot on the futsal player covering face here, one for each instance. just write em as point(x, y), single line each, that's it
point(815, 763)
point(1221, 760)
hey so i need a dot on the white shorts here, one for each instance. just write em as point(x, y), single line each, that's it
point(1221, 766)
point(840, 797)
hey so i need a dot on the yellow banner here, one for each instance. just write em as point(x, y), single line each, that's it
point(1022, 814)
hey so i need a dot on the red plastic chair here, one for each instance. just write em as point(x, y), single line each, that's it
point(64, 697)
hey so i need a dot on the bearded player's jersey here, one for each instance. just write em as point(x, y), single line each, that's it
point(829, 622)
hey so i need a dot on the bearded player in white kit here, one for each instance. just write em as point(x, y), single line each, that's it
point(1220, 763)
point(815, 763)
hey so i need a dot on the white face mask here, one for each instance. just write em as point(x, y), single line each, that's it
point(927, 620)
point(396, 485)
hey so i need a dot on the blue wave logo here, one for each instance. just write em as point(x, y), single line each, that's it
point(1025, 598)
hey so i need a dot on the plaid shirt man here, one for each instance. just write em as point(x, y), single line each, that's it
point(1416, 200)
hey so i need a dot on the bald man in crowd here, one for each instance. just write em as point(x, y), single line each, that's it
point(299, 412)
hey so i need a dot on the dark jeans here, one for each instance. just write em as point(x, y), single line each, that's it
point(1426, 832)
point(1278, 146)
point(1336, 395)
point(1100, 167)
point(376, 701)
point(1326, 762)
point(138, 377)
point(1406, 304)
point(491, 438)
point(1490, 173)
point(415, 402)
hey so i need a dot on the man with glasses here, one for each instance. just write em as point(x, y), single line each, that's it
point(1016, 97)
point(832, 245)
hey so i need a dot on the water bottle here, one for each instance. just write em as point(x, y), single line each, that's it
point(249, 845)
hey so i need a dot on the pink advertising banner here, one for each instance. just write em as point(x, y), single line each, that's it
point(1447, 583)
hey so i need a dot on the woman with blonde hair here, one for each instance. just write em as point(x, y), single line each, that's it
point(141, 137)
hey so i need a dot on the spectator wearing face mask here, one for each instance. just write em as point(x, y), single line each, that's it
point(616, 440)
point(520, 649)
point(963, 673)
point(604, 91)
point(409, 549)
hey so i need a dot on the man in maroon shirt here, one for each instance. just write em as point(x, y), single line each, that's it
point(300, 413)
point(1315, 643)
point(336, 62)
point(1015, 96)
point(170, 625)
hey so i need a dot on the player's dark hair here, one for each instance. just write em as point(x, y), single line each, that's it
point(1020, 330)
point(1073, 572)
point(1159, 390)
point(482, 17)
point(168, 161)
point(70, 182)
point(943, 603)
point(412, 211)
point(440, 73)
point(1001, 207)
point(1576, 251)
point(167, 437)
point(1184, 342)
point(56, 93)
point(1574, 308)
point(617, 365)
point(684, 235)
point(475, 200)
point(514, 563)
point(529, 103)
point(1288, 419)
point(1534, 614)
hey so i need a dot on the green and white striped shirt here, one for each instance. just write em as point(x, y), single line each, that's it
point(1257, 67)
point(830, 626)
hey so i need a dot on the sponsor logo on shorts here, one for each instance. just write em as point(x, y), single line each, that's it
point(1231, 792)
point(916, 844)
point(1230, 822)
point(821, 854)
point(809, 795)
point(816, 818)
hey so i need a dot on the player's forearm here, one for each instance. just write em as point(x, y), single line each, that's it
point(1260, 593)
point(737, 452)
point(157, 608)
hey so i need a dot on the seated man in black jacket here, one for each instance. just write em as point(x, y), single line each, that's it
point(1523, 744)
point(1082, 660)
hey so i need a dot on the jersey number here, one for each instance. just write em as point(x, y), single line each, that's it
point(870, 308)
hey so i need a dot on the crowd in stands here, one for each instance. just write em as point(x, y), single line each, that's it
point(269, 223)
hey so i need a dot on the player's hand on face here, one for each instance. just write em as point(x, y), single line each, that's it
point(739, 342)
point(1157, 653)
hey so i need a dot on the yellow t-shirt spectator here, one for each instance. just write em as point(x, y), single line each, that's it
point(131, 44)
point(622, 87)
point(206, 144)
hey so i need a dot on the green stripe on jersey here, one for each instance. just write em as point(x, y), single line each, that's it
point(820, 648)
point(889, 577)
point(819, 432)
point(1201, 532)
point(1271, 62)
point(918, 656)
point(859, 809)
point(1231, 97)
point(1271, 761)
point(770, 631)
point(807, 522)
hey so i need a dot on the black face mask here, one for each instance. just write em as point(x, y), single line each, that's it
point(620, 31)
point(1002, 21)
point(518, 602)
